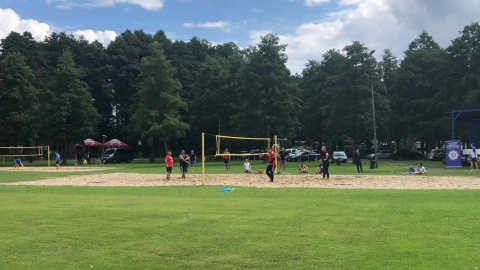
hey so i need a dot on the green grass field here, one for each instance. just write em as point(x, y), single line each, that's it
point(248, 228)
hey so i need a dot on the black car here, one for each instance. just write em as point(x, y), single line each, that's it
point(400, 154)
point(437, 154)
point(117, 155)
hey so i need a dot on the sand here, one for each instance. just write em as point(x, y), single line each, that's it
point(359, 181)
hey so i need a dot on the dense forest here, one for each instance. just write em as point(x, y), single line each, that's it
point(147, 87)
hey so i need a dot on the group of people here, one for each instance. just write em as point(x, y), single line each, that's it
point(185, 161)
point(17, 162)
point(420, 169)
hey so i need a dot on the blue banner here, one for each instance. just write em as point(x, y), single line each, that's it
point(454, 154)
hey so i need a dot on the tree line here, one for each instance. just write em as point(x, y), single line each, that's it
point(147, 87)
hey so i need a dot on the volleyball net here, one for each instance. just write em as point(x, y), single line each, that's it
point(23, 152)
point(237, 147)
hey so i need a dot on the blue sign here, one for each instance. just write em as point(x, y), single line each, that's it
point(454, 154)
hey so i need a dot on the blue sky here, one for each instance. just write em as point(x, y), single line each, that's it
point(308, 27)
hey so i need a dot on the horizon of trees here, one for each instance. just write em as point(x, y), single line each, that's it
point(147, 87)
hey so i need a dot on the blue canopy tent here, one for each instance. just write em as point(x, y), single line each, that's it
point(469, 117)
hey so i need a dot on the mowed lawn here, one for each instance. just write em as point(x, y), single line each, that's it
point(248, 228)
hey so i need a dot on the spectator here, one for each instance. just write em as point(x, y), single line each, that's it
point(473, 158)
point(420, 169)
point(247, 167)
point(357, 160)
point(302, 168)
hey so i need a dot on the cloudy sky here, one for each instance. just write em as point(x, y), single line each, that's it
point(308, 27)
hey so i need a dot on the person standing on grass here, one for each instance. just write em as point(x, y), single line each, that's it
point(357, 160)
point(184, 161)
point(272, 163)
point(325, 162)
point(283, 159)
point(57, 160)
point(226, 159)
point(169, 164)
point(473, 158)
point(193, 159)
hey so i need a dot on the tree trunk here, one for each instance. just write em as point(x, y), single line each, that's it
point(64, 152)
point(152, 154)
point(165, 146)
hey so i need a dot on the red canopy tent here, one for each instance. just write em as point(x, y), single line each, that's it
point(90, 142)
point(114, 143)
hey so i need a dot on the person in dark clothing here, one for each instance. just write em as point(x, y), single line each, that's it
point(79, 158)
point(357, 160)
point(272, 163)
point(283, 159)
point(184, 161)
point(325, 162)
point(193, 159)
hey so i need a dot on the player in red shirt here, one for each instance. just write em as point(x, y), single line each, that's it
point(169, 164)
point(226, 159)
point(272, 163)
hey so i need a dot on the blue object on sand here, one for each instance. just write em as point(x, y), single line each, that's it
point(226, 189)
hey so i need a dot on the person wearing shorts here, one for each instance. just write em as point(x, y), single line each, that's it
point(272, 163)
point(169, 164)
point(57, 160)
point(184, 161)
point(473, 158)
point(226, 159)
point(17, 163)
point(193, 159)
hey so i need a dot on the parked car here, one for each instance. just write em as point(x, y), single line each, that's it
point(366, 152)
point(339, 157)
point(304, 156)
point(381, 154)
point(291, 150)
point(400, 154)
point(117, 155)
point(311, 156)
point(294, 157)
point(437, 154)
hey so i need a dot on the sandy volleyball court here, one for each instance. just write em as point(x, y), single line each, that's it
point(362, 181)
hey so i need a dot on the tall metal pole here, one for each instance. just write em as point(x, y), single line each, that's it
point(375, 140)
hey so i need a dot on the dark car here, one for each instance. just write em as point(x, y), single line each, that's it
point(381, 154)
point(117, 155)
point(339, 157)
point(400, 154)
point(437, 154)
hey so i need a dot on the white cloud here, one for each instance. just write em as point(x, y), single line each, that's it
point(12, 22)
point(378, 24)
point(104, 37)
point(39, 30)
point(70, 4)
point(312, 3)
point(223, 25)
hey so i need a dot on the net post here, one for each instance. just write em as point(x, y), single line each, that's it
point(48, 155)
point(203, 158)
point(275, 146)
